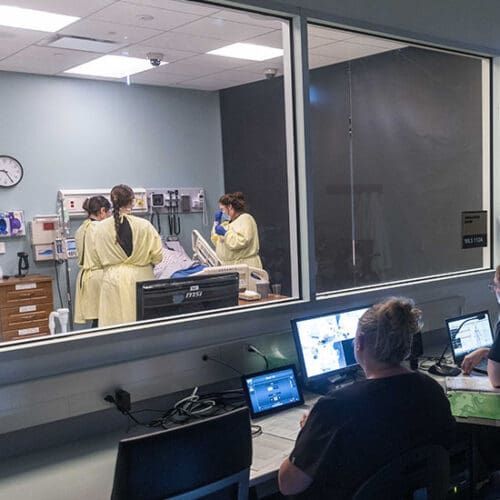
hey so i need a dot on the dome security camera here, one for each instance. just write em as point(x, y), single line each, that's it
point(270, 72)
point(155, 58)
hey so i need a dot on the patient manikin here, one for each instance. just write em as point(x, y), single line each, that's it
point(175, 263)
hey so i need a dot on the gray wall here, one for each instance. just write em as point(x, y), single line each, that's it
point(54, 382)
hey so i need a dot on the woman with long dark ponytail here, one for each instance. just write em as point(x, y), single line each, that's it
point(127, 247)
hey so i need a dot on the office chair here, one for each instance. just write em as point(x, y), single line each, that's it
point(419, 474)
point(187, 462)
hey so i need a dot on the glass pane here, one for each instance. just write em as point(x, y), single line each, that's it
point(204, 112)
point(400, 150)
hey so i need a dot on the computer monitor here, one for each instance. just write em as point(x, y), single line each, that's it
point(174, 296)
point(178, 460)
point(468, 333)
point(325, 343)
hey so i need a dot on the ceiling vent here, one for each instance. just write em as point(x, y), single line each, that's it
point(82, 43)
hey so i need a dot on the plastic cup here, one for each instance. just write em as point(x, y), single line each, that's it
point(276, 288)
point(263, 289)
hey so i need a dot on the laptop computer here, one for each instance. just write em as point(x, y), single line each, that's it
point(468, 333)
point(272, 391)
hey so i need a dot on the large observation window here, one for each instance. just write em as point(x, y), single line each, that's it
point(206, 111)
point(400, 151)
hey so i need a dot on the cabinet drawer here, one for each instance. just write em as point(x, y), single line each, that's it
point(27, 330)
point(41, 294)
point(16, 317)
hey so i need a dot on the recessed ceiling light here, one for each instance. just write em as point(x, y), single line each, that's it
point(29, 19)
point(81, 43)
point(112, 67)
point(145, 17)
point(248, 51)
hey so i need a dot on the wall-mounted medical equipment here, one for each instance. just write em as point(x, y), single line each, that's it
point(23, 265)
point(72, 200)
point(174, 202)
point(203, 252)
point(167, 200)
point(45, 232)
point(12, 224)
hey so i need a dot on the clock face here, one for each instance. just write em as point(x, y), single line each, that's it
point(11, 171)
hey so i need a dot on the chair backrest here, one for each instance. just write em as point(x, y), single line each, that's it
point(419, 474)
point(190, 461)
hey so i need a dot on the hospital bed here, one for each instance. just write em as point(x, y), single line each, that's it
point(204, 253)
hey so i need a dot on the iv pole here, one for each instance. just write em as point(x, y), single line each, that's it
point(65, 235)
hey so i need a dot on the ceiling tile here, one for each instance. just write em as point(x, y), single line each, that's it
point(45, 60)
point(252, 18)
point(185, 69)
point(377, 42)
point(271, 39)
point(69, 7)
point(346, 50)
point(170, 55)
point(179, 6)
point(316, 61)
point(221, 29)
point(123, 35)
point(316, 41)
point(181, 41)
point(143, 16)
point(213, 63)
point(240, 77)
point(13, 40)
point(156, 78)
point(209, 83)
point(329, 33)
point(259, 67)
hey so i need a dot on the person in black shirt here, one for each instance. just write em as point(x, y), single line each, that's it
point(352, 432)
point(493, 353)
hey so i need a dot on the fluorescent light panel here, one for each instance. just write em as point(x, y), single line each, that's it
point(29, 19)
point(112, 67)
point(248, 51)
point(81, 43)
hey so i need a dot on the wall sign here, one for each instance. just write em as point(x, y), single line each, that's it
point(475, 229)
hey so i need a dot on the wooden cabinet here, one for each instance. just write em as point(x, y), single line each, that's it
point(25, 305)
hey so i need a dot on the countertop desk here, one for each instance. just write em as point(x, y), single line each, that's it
point(85, 469)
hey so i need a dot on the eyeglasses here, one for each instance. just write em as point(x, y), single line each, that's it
point(493, 287)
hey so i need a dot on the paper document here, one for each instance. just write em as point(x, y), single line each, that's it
point(285, 425)
point(268, 453)
point(470, 383)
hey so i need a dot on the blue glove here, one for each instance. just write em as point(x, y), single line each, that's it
point(220, 230)
point(218, 216)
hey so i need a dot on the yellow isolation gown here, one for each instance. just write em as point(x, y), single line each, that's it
point(240, 244)
point(88, 281)
point(117, 303)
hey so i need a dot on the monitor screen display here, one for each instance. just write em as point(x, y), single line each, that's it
point(468, 333)
point(325, 343)
point(271, 391)
point(174, 296)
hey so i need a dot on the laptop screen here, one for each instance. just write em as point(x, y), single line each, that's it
point(468, 333)
point(272, 391)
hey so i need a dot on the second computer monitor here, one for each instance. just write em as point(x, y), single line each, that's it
point(325, 343)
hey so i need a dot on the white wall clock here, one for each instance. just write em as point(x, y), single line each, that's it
point(11, 171)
